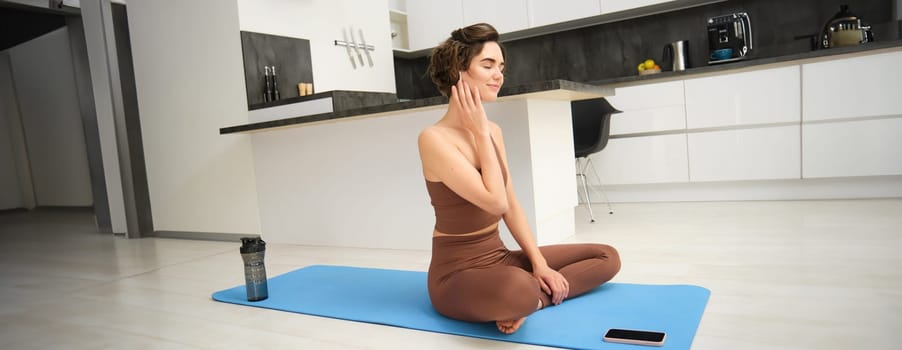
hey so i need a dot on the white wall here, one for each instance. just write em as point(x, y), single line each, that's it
point(190, 82)
point(398, 5)
point(48, 104)
point(10, 189)
point(321, 22)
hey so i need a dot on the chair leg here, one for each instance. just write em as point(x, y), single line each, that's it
point(598, 179)
point(582, 176)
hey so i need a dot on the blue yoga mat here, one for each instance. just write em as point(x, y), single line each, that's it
point(399, 298)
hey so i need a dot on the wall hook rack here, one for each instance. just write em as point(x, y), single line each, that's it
point(353, 47)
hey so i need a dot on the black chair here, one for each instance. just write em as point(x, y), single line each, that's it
point(591, 128)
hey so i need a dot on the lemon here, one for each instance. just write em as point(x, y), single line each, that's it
point(641, 67)
point(649, 63)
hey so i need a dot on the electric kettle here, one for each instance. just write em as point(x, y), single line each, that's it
point(677, 55)
point(844, 29)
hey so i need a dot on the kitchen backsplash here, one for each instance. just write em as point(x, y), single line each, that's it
point(613, 50)
point(289, 56)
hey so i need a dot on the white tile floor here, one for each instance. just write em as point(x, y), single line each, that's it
point(783, 275)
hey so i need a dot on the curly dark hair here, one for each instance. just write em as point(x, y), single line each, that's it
point(454, 54)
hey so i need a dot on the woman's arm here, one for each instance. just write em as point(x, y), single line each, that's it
point(551, 281)
point(443, 161)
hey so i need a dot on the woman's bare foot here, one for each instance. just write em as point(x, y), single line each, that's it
point(509, 327)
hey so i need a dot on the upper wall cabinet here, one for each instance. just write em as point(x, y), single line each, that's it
point(867, 86)
point(542, 12)
point(505, 15)
point(431, 22)
point(749, 98)
point(608, 6)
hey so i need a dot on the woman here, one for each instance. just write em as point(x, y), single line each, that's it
point(472, 276)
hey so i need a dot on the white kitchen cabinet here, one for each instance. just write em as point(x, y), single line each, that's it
point(543, 12)
point(747, 154)
point(854, 87)
point(642, 160)
point(658, 119)
point(852, 148)
point(648, 108)
point(748, 98)
point(398, 23)
point(431, 22)
point(648, 96)
point(505, 15)
point(608, 6)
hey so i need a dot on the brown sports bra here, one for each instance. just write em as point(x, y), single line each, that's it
point(456, 215)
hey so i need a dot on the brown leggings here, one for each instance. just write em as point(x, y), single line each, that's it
point(476, 278)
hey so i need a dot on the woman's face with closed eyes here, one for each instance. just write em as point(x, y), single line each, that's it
point(486, 71)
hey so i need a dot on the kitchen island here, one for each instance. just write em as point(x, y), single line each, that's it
point(352, 178)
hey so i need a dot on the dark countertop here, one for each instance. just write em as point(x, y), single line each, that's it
point(508, 91)
point(359, 97)
point(599, 86)
point(738, 65)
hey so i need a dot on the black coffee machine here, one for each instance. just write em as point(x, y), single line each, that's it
point(729, 38)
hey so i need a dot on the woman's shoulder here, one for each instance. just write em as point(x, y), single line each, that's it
point(432, 136)
point(431, 132)
point(443, 134)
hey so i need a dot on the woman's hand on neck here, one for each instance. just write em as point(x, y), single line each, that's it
point(465, 108)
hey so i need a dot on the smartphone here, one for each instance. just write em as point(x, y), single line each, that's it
point(633, 336)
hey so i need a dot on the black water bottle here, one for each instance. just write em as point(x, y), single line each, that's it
point(252, 251)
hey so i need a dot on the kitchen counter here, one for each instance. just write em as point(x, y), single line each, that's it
point(551, 89)
point(806, 126)
point(322, 179)
point(806, 57)
point(344, 99)
point(590, 89)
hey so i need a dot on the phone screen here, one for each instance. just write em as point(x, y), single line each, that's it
point(635, 335)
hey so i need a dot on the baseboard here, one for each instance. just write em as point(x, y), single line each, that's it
point(12, 210)
point(65, 208)
point(48, 208)
point(202, 236)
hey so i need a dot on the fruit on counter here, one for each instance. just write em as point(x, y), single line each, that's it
point(648, 67)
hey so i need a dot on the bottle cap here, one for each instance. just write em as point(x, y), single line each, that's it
point(252, 245)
